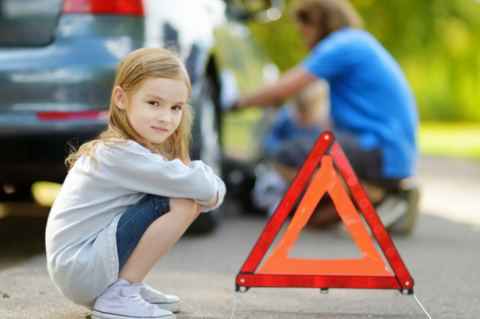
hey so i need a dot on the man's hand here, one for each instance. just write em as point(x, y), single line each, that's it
point(238, 105)
point(288, 84)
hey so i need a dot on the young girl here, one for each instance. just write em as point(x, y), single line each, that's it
point(130, 194)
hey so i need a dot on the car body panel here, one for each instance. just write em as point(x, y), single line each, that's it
point(28, 22)
point(74, 73)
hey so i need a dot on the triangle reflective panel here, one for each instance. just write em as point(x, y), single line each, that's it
point(371, 271)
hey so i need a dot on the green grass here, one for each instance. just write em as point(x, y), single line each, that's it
point(460, 140)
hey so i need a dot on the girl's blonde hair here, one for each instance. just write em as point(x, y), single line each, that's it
point(132, 71)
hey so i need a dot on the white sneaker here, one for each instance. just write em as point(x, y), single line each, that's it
point(391, 209)
point(168, 302)
point(122, 300)
point(406, 223)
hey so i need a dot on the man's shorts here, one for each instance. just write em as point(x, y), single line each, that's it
point(367, 165)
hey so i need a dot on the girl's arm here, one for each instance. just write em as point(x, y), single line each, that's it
point(289, 83)
point(136, 170)
point(219, 196)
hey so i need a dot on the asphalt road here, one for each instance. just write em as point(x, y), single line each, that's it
point(442, 256)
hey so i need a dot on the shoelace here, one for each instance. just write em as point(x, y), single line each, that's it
point(141, 301)
point(147, 289)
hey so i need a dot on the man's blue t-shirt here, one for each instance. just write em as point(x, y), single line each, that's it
point(370, 97)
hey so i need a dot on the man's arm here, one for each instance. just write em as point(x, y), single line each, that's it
point(288, 84)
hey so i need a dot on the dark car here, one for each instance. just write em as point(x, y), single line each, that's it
point(57, 66)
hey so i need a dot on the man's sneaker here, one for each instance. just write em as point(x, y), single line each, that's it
point(168, 302)
point(405, 225)
point(391, 209)
point(397, 211)
point(122, 300)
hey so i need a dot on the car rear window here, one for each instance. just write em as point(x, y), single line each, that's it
point(28, 22)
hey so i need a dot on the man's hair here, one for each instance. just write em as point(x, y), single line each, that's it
point(326, 15)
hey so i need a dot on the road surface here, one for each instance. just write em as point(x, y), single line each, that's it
point(442, 255)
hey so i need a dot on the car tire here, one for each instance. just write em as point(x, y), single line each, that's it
point(207, 146)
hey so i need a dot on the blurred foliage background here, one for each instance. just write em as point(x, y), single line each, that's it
point(436, 42)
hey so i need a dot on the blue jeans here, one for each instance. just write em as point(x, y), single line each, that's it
point(135, 221)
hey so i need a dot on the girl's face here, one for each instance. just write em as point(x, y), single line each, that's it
point(156, 108)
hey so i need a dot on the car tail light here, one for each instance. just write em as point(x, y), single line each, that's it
point(127, 7)
point(65, 116)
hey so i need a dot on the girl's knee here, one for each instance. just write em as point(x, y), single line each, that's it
point(184, 205)
point(197, 212)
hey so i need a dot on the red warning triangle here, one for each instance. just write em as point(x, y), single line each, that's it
point(368, 272)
